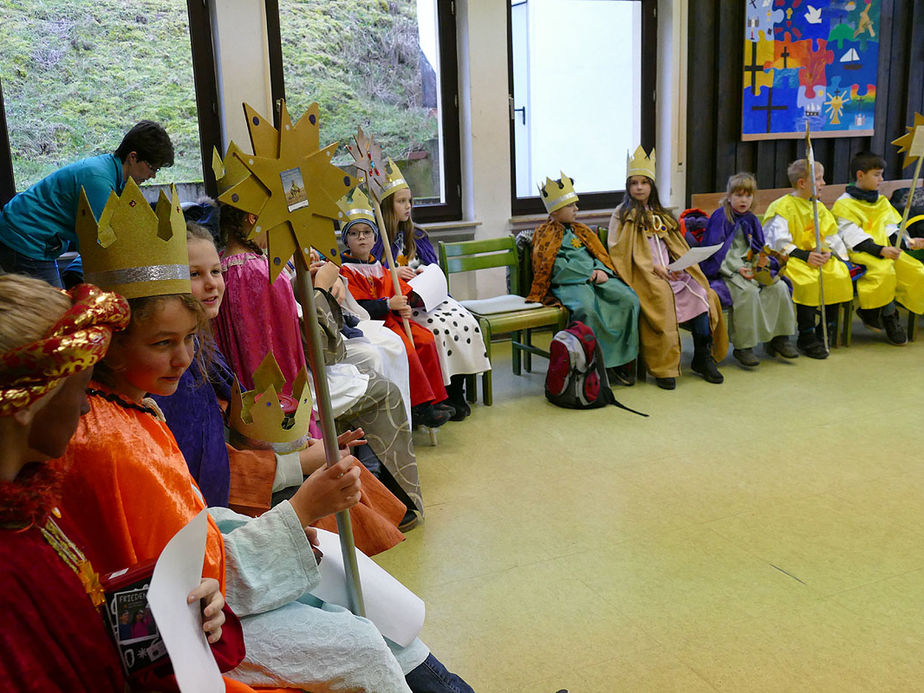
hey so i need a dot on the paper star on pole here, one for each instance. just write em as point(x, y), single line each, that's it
point(912, 142)
point(296, 199)
point(367, 155)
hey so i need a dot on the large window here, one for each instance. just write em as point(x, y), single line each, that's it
point(387, 66)
point(582, 76)
point(76, 76)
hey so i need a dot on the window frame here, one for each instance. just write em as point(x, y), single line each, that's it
point(521, 206)
point(451, 209)
point(206, 90)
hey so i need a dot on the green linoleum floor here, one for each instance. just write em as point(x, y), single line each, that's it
point(766, 534)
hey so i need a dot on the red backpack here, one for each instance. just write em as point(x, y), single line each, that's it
point(576, 378)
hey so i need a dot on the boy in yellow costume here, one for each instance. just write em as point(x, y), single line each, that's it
point(789, 227)
point(867, 223)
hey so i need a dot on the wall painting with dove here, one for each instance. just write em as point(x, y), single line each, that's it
point(812, 61)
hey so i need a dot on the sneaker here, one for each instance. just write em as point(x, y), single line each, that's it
point(746, 357)
point(895, 333)
point(811, 346)
point(782, 346)
point(410, 520)
point(666, 383)
point(871, 318)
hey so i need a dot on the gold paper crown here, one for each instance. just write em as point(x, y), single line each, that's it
point(134, 250)
point(258, 416)
point(558, 193)
point(230, 171)
point(356, 207)
point(641, 164)
point(395, 181)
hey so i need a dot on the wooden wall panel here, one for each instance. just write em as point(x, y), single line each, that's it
point(714, 147)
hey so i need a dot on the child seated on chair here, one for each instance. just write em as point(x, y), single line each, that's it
point(571, 267)
point(459, 341)
point(371, 285)
point(761, 311)
point(789, 228)
point(644, 238)
point(868, 223)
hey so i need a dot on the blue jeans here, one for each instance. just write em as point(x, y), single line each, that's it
point(433, 677)
point(17, 263)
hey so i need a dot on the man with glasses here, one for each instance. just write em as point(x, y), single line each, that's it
point(37, 225)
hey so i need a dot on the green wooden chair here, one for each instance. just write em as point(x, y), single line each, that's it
point(506, 313)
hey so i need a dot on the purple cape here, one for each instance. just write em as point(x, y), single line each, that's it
point(721, 230)
point(196, 420)
point(424, 248)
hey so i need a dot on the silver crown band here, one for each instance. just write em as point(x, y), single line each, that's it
point(136, 275)
point(564, 198)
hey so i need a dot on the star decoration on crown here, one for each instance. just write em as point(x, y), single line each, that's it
point(912, 142)
point(296, 199)
point(367, 156)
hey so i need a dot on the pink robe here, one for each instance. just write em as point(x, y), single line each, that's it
point(256, 318)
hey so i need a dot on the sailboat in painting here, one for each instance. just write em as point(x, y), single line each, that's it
point(851, 60)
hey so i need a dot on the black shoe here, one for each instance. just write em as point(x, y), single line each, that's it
point(666, 383)
point(871, 318)
point(622, 375)
point(782, 346)
point(428, 415)
point(705, 366)
point(703, 363)
point(895, 333)
point(410, 520)
point(746, 357)
point(462, 409)
point(809, 344)
point(447, 406)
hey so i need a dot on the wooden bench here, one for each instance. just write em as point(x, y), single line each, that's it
point(709, 202)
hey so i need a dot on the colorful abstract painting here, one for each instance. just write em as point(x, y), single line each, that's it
point(811, 61)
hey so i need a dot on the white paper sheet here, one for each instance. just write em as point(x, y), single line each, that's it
point(693, 257)
point(397, 612)
point(177, 572)
point(431, 286)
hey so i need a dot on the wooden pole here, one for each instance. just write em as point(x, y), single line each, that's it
point(326, 420)
point(386, 242)
point(914, 181)
point(810, 156)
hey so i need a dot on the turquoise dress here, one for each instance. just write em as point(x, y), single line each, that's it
point(610, 309)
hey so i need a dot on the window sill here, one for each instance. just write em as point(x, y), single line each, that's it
point(593, 217)
point(450, 231)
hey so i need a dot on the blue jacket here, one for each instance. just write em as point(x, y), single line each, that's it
point(39, 222)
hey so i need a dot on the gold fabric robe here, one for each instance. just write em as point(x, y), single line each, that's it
point(658, 329)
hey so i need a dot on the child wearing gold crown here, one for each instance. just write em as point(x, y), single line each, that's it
point(370, 284)
point(130, 489)
point(253, 474)
point(789, 227)
point(459, 342)
point(761, 312)
point(571, 267)
point(644, 238)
